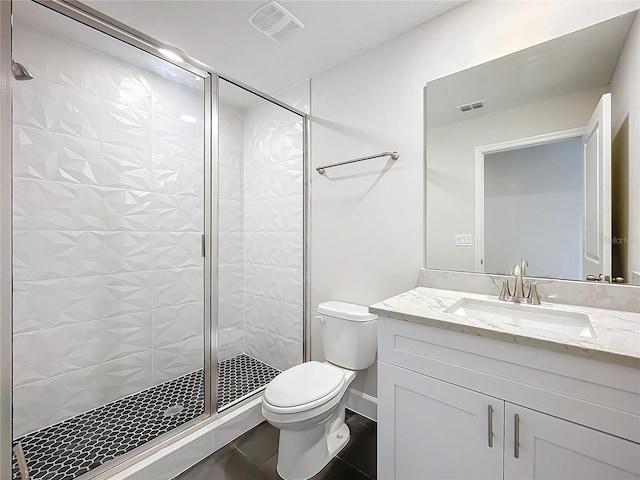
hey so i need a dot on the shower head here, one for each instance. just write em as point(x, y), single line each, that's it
point(20, 72)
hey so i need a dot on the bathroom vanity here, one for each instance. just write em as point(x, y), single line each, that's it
point(544, 392)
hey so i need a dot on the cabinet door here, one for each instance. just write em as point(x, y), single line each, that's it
point(430, 429)
point(551, 449)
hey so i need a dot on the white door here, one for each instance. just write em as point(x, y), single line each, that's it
point(550, 448)
point(596, 251)
point(430, 429)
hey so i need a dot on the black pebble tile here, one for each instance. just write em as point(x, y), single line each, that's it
point(74, 446)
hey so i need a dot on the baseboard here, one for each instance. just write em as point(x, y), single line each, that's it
point(363, 404)
point(186, 452)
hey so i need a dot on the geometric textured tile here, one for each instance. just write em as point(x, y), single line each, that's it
point(77, 445)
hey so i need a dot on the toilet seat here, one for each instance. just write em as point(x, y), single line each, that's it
point(304, 387)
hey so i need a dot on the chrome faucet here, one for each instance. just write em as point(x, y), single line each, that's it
point(519, 271)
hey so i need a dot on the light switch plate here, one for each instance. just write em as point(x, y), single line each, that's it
point(463, 239)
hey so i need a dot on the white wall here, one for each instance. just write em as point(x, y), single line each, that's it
point(108, 216)
point(367, 221)
point(533, 209)
point(625, 112)
point(451, 166)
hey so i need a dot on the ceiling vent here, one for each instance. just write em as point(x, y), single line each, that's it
point(275, 21)
point(471, 106)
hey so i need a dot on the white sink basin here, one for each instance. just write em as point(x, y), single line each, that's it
point(525, 316)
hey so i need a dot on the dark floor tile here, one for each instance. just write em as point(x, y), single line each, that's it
point(335, 470)
point(354, 417)
point(227, 463)
point(361, 453)
point(356, 430)
point(260, 444)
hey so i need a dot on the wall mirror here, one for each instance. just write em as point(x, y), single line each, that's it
point(527, 156)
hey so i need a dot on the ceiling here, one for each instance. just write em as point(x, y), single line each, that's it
point(577, 61)
point(218, 33)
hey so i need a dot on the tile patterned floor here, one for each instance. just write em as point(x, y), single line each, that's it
point(71, 448)
point(254, 456)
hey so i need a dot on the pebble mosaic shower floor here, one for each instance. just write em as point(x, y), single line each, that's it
point(68, 449)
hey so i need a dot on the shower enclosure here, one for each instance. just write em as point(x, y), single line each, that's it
point(158, 242)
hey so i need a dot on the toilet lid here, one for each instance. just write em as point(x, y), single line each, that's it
point(304, 383)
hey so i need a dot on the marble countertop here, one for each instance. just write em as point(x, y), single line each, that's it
point(617, 332)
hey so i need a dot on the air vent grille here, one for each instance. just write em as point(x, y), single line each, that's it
point(275, 21)
point(471, 106)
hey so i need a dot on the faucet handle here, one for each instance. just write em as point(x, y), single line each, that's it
point(505, 294)
point(534, 298)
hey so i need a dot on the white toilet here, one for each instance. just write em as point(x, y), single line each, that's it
point(307, 402)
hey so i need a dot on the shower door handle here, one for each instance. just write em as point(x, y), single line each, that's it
point(203, 250)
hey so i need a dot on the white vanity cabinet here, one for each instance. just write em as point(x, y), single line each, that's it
point(449, 402)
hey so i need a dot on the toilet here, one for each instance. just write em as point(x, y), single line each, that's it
point(307, 402)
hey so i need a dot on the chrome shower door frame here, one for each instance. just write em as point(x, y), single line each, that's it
point(96, 20)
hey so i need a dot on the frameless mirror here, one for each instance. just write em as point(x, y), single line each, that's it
point(532, 156)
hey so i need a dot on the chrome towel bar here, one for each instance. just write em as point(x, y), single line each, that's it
point(393, 155)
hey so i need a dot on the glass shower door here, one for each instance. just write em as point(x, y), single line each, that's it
point(108, 221)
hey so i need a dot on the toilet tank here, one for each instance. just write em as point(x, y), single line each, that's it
point(349, 334)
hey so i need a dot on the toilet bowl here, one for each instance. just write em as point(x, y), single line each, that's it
point(307, 402)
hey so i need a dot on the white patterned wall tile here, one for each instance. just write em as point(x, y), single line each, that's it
point(68, 111)
point(177, 213)
point(231, 249)
point(177, 287)
point(229, 181)
point(178, 323)
point(46, 254)
point(173, 137)
point(274, 215)
point(227, 351)
point(116, 123)
point(173, 250)
point(229, 337)
point(279, 180)
point(273, 350)
point(281, 249)
point(96, 195)
point(84, 70)
point(277, 283)
point(230, 216)
point(40, 305)
point(279, 318)
point(180, 176)
point(51, 107)
point(42, 205)
point(176, 359)
point(230, 279)
point(273, 221)
point(185, 96)
point(54, 399)
point(42, 354)
point(231, 310)
point(61, 158)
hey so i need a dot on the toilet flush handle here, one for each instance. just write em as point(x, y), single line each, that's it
point(320, 318)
